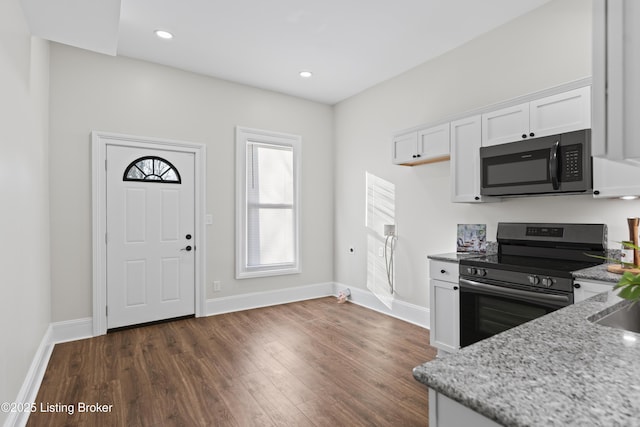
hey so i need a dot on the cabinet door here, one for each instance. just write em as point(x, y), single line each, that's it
point(564, 112)
point(465, 161)
point(505, 125)
point(445, 315)
point(433, 143)
point(615, 179)
point(404, 147)
point(584, 289)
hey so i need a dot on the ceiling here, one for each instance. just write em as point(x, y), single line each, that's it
point(349, 45)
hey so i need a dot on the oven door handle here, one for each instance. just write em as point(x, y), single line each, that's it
point(559, 300)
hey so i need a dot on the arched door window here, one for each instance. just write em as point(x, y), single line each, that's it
point(153, 169)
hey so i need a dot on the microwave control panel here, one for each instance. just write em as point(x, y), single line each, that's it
point(571, 163)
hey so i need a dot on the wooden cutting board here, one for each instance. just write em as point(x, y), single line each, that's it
point(619, 269)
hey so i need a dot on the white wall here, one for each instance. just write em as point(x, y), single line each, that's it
point(90, 91)
point(547, 47)
point(24, 210)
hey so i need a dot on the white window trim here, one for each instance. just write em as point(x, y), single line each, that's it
point(243, 135)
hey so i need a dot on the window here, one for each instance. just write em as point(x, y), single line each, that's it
point(267, 187)
point(151, 168)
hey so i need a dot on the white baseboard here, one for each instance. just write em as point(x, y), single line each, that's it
point(72, 330)
point(29, 390)
point(56, 333)
point(268, 298)
point(400, 310)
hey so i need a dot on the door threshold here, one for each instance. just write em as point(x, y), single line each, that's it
point(155, 322)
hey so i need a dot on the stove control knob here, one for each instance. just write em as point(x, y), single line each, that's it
point(534, 280)
point(547, 282)
point(472, 270)
point(481, 272)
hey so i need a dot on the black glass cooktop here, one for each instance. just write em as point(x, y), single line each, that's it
point(532, 265)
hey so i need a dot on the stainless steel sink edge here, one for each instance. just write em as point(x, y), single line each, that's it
point(603, 313)
point(624, 315)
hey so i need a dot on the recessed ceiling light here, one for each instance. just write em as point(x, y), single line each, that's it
point(306, 74)
point(164, 34)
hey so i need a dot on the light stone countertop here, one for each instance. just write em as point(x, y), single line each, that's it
point(558, 370)
point(453, 256)
point(598, 273)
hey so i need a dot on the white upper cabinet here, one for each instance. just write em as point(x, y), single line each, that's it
point(562, 112)
point(404, 147)
point(465, 159)
point(505, 125)
point(422, 146)
point(433, 143)
point(616, 80)
point(466, 136)
point(615, 179)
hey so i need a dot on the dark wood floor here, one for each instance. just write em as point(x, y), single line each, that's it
point(310, 363)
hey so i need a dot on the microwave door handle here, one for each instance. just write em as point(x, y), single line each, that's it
point(554, 167)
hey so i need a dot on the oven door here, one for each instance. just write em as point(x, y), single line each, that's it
point(487, 309)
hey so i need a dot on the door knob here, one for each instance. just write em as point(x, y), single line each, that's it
point(188, 249)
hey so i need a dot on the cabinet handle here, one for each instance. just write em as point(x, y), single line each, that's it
point(524, 135)
point(477, 197)
point(417, 155)
point(596, 192)
point(414, 156)
point(455, 288)
point(576, 285)
point(532, 134)
point(443, 271)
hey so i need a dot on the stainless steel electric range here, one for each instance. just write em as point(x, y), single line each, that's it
point(530, 276)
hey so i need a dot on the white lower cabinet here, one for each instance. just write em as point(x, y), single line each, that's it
point(583, 289)
point(445, 412)
point(445, 306)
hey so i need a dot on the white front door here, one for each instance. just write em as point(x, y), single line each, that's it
point(150, 235)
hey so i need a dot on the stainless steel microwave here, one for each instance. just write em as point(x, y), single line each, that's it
point(548, 165)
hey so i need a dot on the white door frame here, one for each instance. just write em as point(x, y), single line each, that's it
point(100, 141)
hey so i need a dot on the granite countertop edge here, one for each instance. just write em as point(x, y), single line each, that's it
point(539, 374)
point(454, 256)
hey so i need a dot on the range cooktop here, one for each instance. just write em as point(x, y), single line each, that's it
point(531, 265)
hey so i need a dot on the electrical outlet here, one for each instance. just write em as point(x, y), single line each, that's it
point(216, 286)
point(380, 251)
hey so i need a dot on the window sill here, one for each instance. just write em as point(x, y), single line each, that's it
point(266, 273)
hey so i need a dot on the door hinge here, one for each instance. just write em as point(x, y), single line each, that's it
point(106, 310)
